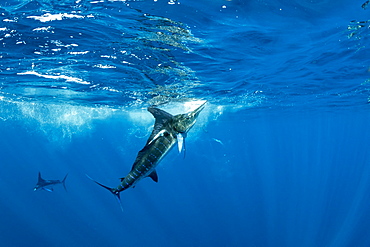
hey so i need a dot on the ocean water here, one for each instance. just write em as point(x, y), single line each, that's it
point(278, 157)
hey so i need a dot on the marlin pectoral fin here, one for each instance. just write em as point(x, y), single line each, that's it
point(48, 189)
point(184, 149)
point(154, 176)
point(180, 141)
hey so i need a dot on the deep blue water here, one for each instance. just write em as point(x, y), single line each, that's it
point(279, 156)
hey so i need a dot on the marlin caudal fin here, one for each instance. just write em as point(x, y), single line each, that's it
point(64, 182)
point(112, 190)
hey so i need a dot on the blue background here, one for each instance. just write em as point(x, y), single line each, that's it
point(279, 156)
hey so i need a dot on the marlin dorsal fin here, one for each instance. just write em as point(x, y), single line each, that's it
point(40, 179)
point(159, 114)
point(161, 118)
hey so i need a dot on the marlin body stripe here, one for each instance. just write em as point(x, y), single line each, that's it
point(147, 160)
point(168, 130)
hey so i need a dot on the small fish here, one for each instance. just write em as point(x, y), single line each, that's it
point(217, 140)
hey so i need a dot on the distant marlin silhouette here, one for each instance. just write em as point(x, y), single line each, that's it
point(167, 131)
point(48, 184)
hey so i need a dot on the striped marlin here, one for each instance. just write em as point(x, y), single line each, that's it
point(168, 130)
point(48, 184)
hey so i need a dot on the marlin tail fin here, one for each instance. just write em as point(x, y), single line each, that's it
point(112, 190)
point(64, 182)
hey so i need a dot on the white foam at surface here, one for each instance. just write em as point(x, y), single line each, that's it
point(181, 107)
point(56, 77)
point(54, 17)
point(42, 29)
point(60, 122)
